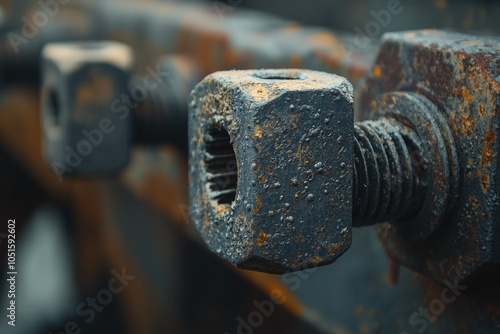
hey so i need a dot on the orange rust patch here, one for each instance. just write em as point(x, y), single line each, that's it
point(336, 248)
point(485, 182)
point(482, 109)
point(258, 132)
point(486, 157)
point(221, 209)
point(467, 125)
point(261, 238)
point(258, 205)
point(465, 95)
point(258, 91)
point(377, 71)
point(298, 154)
point(392, 272)
point(325, 38)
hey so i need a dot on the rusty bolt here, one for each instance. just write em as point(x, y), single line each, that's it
point(93, 111)
point(271, 167)
point(280, 172)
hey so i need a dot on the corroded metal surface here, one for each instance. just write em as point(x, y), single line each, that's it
point(408, 162)
point(270, 153)
point(245, 39)
point(424, 169)
point(251, 143)
point(459, 73)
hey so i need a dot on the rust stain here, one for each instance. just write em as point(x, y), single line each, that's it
point(465, 95)
point(258, 91)
point(97, 90)
point(377, 71)
point(325, 38)
point(258, 205)
point(261, 238)
point(482, 109)
point(221, 209)
point(486, 157)
point(467, 124)
point(258, 132)
point(335, 249)
point(392, 272)
point(298, 153)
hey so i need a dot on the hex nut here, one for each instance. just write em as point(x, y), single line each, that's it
point(271, 167)
point(459, 73)
point(86, 132)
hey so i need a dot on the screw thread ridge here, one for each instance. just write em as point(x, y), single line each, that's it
point(387, 178)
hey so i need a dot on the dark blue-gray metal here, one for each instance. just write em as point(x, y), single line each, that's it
point(271, 167)
point(86, 128)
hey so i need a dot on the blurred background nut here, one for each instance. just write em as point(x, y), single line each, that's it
point(290, 205)
point(83, 133)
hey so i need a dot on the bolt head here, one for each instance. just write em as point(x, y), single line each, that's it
point(271, 167)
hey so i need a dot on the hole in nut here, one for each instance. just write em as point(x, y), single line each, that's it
point(278, 76)
point(54, 106)
point(221, 167)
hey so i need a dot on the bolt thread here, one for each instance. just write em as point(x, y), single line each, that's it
point(388, 173)
point(160, 116)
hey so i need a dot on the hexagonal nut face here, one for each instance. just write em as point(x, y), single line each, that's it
point(271, 167)
point(459, 73)
point(87, 128)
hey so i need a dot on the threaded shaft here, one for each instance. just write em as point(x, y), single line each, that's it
point(388, 173)
point(160, 117)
